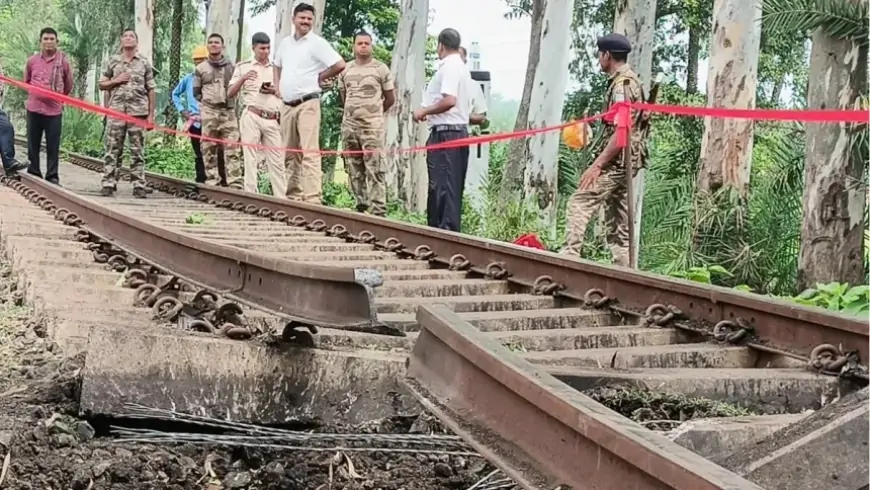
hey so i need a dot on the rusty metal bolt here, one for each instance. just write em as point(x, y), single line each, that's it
point(117, 262)
point(317, 225)
point(134, 278)
point(226, 203)
point(540, 283)
point(83, 236)
point(229, 312)
point(179, 193)
point(496, 270)
point(251, 208)
point(659, 315)
point(145, 295)
point(828, 359)
point(393, 244)
point(458, 262)
point(72, 219)
point(61, 213)
point(298, 220)
point(264, 212)
point(595, 298)
point(423, 252)
point(238, 206)
point(100, 257)
point(167, 308)
point(235, 332)
point(279, 216)
point(204, 198)
point(201, 325)
point(366, 236)
point(204, 300)
point(732, 332)
point(193, 195)
point(339, 231)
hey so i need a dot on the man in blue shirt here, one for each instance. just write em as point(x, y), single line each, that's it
point(189, 110)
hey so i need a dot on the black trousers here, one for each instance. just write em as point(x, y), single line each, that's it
point(447, 170)
point(7, 140)
point(196, 143)
point(50, 126)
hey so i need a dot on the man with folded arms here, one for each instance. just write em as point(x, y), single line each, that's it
point(304, 64)
point(261, 111)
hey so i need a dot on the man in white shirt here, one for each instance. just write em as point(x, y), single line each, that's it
point(478, 100)
point(304, 63)
point(447, 106)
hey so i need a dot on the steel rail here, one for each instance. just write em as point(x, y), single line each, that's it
point(295, 291)
point(536, 429)
point(776, 323)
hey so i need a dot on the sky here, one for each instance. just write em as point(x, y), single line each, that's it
point(504, 44)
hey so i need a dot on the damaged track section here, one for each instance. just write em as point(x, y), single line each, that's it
point(296, 292)
point(479, 389)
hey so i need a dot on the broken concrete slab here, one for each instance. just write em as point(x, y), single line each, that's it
point(761, 389)
point(718, 437)
point(827, 449)
point(238, 380)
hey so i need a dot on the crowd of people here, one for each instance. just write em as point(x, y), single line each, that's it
point(273, 108)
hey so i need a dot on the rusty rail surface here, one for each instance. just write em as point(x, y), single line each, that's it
point(295, 291)
point(537, 430)
point(774, 323)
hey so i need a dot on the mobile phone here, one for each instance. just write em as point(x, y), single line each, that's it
point(266, 84)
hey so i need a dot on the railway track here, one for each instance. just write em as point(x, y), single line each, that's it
point(356, 277)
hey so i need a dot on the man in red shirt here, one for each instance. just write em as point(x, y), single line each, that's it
point(49, 69)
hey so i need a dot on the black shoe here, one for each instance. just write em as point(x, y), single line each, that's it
point(16, 167)
point(107, 191)
point(361, 208)
point(140, 193)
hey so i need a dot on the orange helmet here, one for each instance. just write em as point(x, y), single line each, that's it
point(577, 135)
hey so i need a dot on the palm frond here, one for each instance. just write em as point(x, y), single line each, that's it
point(840, 19)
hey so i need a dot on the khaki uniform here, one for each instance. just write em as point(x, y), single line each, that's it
point(362, 128)
point(210, 83)
point(129, 98)
point(609, 189)
point(259, 125)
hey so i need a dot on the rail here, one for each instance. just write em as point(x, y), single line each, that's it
point(773, 323)
point(295, 291)
point(537, 430)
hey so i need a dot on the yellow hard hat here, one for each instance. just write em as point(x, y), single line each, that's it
point(199, 53)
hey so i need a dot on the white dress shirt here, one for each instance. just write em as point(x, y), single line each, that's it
point(452, 78)
point(301, 61)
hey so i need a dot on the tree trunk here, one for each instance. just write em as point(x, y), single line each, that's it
point(175, 53)
point(406, 172)
point(832, 233)
point(518, 149)
point(545, 108)
point(319, 14)
point(145, 27)
point(233, 33)
point(636, 20)
point(219, 14)
point(692, 57)
point(726, 147)
point(81, 78)
point(283, 20)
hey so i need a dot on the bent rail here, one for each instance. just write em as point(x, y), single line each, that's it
point(295, 291)
point(537, 430)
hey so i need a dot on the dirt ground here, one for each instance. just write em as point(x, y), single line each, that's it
point(43, 446)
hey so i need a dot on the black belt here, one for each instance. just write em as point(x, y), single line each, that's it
point(301, 100)
point(448, 127)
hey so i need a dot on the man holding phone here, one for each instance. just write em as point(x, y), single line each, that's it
point(261, 111)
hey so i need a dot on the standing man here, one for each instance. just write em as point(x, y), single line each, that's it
point(304, 64)
point(7, 138)
point(49, 69)
point(447, 105)
point(189, 110)
point(604, 182)
point(367, 90)
point(261, 112)
point(211, 79)
point(478, 100)
point(130, 78)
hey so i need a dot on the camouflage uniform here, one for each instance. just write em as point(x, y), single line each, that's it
point(362, 128)
point(210, 83)
point(129, 98)
point(609, 189)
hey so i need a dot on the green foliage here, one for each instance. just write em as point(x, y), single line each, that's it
point(835, 296)
point(840, 19)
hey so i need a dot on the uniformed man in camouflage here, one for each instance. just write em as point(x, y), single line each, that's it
point(130, 79)
point(211, 80)
point(604, 182)
point(367, 89)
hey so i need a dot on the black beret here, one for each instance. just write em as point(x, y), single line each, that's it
point(260, 38)
point(616, 43)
